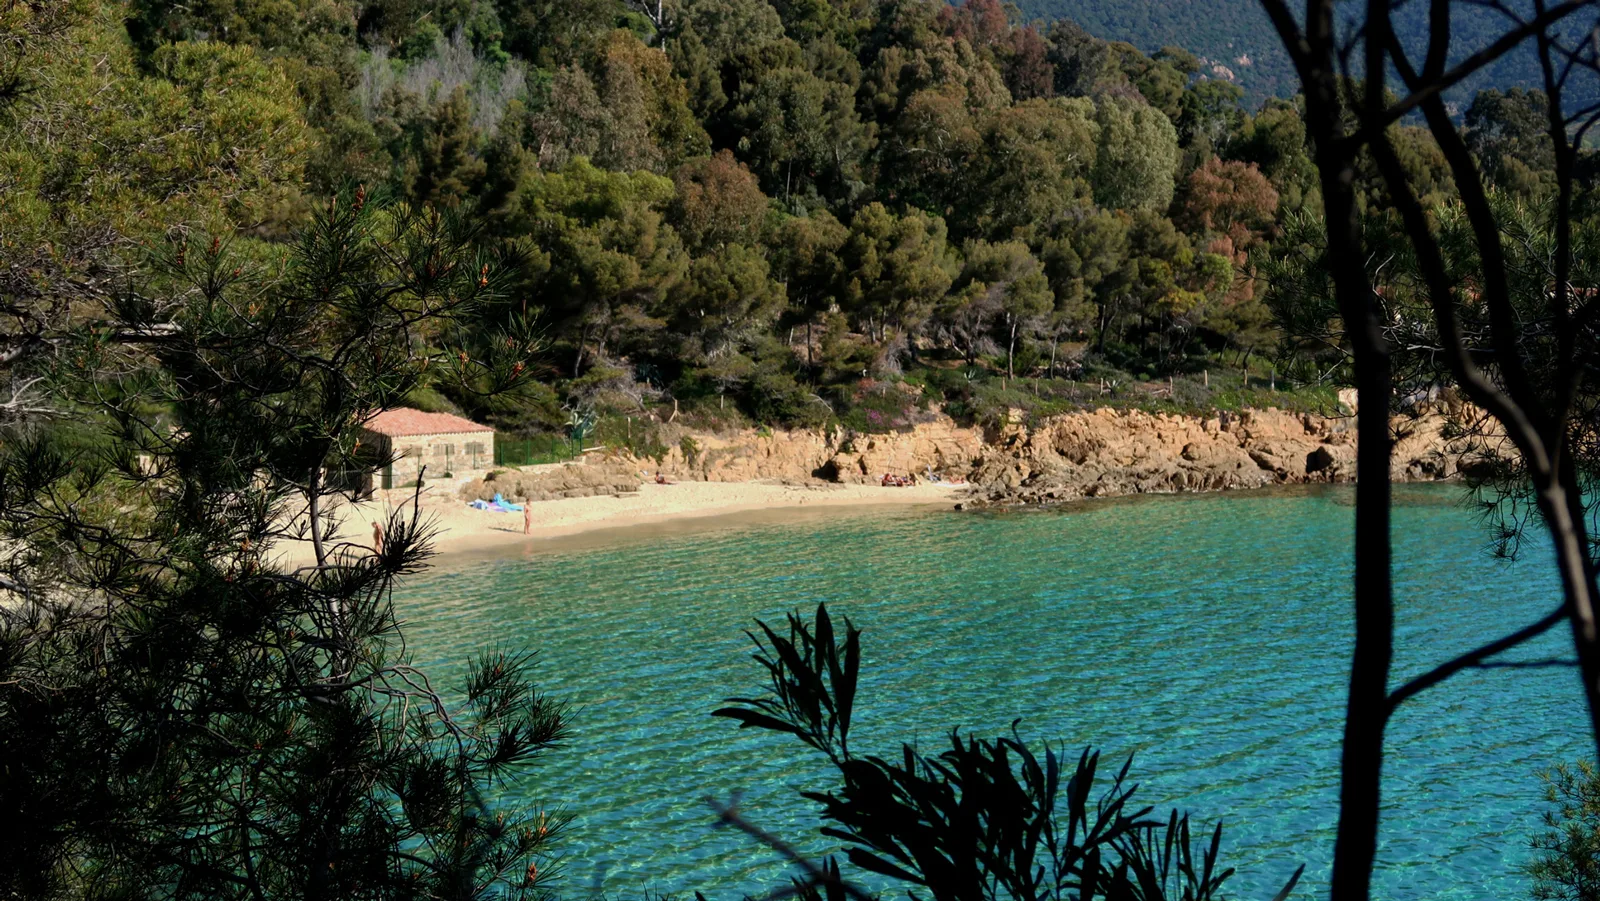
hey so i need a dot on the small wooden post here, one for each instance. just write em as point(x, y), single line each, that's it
point(1205, 378)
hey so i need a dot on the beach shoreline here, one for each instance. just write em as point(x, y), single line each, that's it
point(461, 531)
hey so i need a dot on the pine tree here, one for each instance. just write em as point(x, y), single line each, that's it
point(183, 716)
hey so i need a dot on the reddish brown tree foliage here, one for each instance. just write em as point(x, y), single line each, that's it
point(1230, 198)
point(981, 23)
point(719, 202)
point(1027, 67)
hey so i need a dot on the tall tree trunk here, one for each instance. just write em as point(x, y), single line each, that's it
point(1565, 518)
point(1011, 347)
point(1366, 709)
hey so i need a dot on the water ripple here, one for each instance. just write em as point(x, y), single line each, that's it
point(1207, 635)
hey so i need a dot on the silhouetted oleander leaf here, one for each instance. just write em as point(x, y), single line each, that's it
point(748, 718)
point(980, 819)
point(867, 860)
point(1294, 880)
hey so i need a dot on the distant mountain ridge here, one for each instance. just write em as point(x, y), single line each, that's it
point(1237, 35)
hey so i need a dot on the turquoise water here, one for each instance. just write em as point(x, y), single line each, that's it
point(1207, 635)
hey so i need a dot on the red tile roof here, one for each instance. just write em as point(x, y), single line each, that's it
point(404, 422)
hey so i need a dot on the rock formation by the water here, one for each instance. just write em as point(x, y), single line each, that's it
point(832, 455)
point(603, 477)
point(1095, 453)
point(1108, 453)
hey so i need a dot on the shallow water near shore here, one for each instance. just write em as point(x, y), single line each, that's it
point(1208, 636)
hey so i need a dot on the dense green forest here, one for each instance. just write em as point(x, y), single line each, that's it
point(791, 212)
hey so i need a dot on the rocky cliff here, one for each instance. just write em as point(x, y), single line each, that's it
point(1108, 453)
point(1097, 453)
point(832, 455)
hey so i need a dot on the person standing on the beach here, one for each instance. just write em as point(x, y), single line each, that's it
point(527, 517)
point(377, 539)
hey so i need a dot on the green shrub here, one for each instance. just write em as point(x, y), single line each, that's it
point(776, 397)
point(639, 437)
point(877, 407)
point(948, 384)
point(1030, 357)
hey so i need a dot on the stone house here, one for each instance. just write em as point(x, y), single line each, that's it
point(407, 440)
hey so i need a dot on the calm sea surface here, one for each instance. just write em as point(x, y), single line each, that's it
point(1207, 636)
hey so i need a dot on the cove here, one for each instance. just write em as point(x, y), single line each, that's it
point(1206, 635)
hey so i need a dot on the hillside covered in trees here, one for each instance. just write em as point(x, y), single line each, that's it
point(794, 212)
point(1238, 43)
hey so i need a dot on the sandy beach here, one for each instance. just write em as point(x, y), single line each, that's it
point(463, 530)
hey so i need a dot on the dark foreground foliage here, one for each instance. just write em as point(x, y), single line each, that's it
point(1566, 864)
point(982, 819)
point(183, 716)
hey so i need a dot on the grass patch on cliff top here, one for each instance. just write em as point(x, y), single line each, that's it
point(988, 401)
point(979, 397)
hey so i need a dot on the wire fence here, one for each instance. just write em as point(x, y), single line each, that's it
point(510, 450)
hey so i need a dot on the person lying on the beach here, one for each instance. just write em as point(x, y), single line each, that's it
point(663, 480)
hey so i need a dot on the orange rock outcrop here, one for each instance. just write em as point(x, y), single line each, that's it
point(1096, 453)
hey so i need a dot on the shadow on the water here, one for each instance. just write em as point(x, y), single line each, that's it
point(1414, 494)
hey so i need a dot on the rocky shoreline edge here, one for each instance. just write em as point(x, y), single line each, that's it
point(1093, 453)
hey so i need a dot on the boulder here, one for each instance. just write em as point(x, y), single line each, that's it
point(545, 483)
